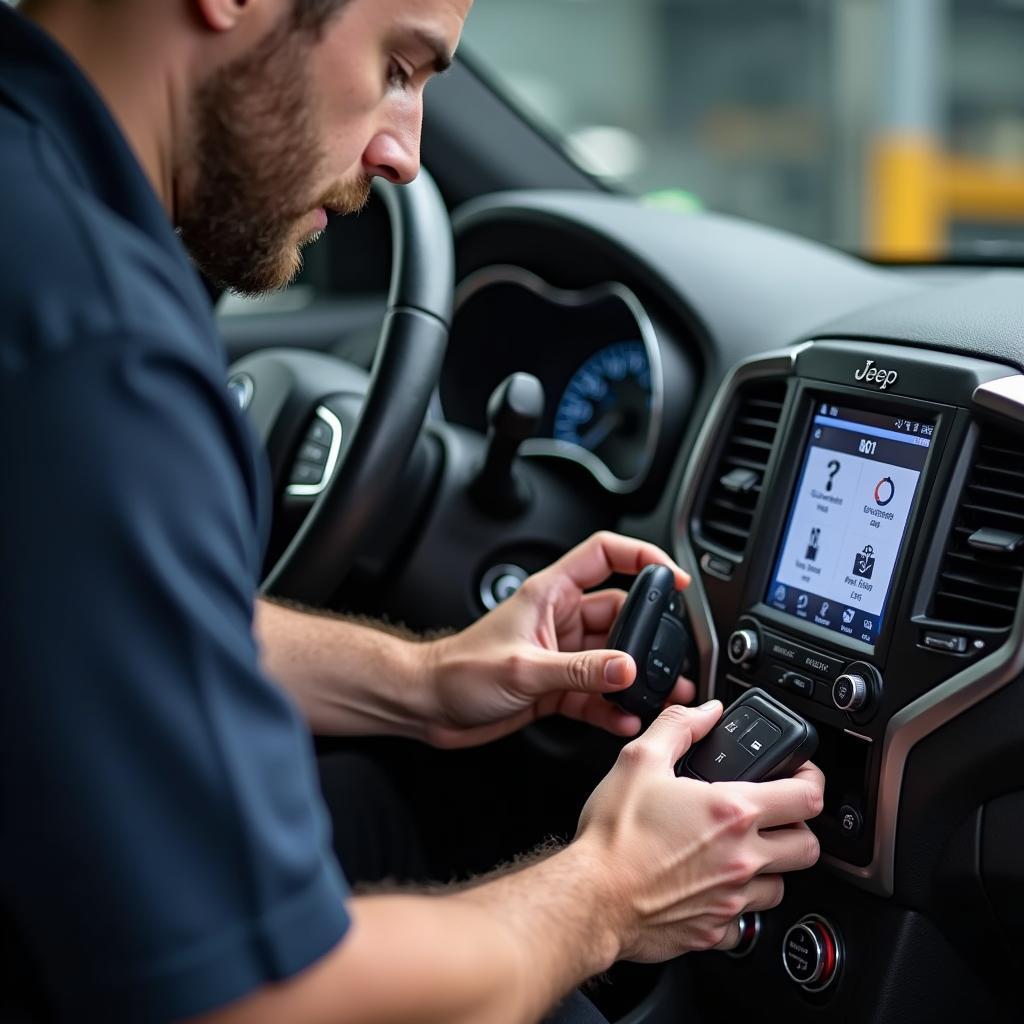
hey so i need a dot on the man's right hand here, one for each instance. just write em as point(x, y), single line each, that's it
point(680, 859)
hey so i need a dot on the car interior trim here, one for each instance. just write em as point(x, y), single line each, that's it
point(1004, 396)
point(551, 447)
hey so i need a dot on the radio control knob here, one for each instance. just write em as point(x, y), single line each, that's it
point(743, 646)
point(850, 692)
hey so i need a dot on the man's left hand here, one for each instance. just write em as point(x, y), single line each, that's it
point(542, 652)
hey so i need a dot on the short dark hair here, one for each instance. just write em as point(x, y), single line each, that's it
point(313, 15)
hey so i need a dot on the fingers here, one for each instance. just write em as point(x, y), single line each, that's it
point(603, 554)
point(790, 849)
point(787, 801)
point(764, 893)
point(599, 609)
point(731, 939)
point(598, 712)
point(684, 692)
point(577, 672)
point(677, 728)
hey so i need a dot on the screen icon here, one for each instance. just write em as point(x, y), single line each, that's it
point(885, 491)
point(864, 562)
point(812, 544)
point(833, 467)
point(780, 593)
point(801, 603)
point(848, 616)
point(823, 611)
point(869, 624)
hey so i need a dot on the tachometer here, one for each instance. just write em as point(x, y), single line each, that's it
point(606, 407)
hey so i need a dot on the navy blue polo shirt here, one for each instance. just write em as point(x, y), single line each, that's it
point(163, 845)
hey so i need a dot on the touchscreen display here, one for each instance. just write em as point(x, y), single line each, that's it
point(859, 475)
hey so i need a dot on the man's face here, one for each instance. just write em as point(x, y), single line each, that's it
point(299, 125)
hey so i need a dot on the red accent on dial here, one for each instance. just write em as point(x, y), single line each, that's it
point(828, 945)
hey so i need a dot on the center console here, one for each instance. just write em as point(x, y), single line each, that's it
point(851, 517)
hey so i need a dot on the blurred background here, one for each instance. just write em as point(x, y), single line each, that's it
point(891, 128)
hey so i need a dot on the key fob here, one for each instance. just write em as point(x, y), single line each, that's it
point(757, 739)
point(649, 628)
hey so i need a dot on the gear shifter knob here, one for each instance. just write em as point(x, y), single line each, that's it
point(514, 413)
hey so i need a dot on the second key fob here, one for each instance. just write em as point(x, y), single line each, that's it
point(757, 739)
point(648, 628)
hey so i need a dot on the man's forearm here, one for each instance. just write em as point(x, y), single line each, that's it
point(502, 952)
point(348, 679)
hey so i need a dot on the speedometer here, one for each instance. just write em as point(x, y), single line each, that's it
point(606, 407)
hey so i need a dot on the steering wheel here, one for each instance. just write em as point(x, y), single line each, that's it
point(285, 386)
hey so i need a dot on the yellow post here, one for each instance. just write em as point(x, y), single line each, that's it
point(906, 204)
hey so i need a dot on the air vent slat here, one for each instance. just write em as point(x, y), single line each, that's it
point(978, 588)
point(727, 516)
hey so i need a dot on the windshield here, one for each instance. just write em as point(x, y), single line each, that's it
point(892, 128)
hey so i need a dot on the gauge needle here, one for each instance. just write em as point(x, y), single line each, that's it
point(598, 433)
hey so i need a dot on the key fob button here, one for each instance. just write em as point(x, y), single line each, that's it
point(760, 736)
point(660, 673)
point(738, 722)
point(721, 759)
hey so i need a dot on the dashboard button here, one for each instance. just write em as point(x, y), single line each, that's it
point(811, 953)
point(750, 931)
point(798, 684)
point(850, 692)
point(851, 821)
point(802, 657)
point(716, 566)
point(743, 646)
point(946, 642)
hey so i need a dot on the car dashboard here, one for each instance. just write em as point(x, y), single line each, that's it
point(835, 453)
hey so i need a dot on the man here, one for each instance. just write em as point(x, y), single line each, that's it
point(164, 850)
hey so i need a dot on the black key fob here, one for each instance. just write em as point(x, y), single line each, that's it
point(650, 630)
point(757, 739)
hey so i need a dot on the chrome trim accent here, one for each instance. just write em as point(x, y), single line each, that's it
point(858, 736)
point(311, 490)
point(772, 364)
point(511, 274)
point(248, 389)
point(1005, 395)
point(740, 954)
point(495, 573)
point(912, 724)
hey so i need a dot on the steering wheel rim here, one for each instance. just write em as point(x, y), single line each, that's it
point(410, 353)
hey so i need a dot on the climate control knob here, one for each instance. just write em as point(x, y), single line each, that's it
point(743, 646)
point(850, 692)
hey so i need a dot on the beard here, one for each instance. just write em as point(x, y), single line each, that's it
point(256, 166)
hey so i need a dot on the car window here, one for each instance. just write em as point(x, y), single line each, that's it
point(893, 128)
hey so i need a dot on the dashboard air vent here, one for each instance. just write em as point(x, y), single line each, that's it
point(728, 511)
point(980, 581)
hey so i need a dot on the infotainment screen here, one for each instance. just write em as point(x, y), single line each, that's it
point(859, 475)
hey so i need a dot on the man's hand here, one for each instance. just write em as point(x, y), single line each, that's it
point(542, 652)
point(681, 859)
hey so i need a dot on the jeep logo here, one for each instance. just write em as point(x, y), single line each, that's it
point(873, 375)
